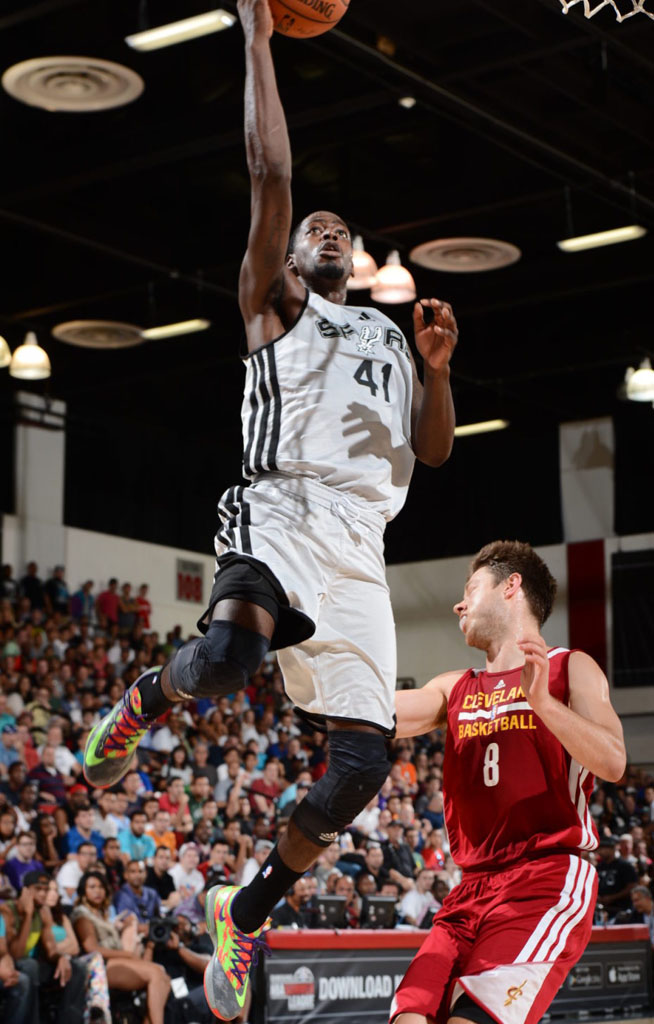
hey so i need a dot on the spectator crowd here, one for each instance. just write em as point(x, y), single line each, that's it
point(101, 892)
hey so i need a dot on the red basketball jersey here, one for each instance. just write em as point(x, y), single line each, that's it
point(510, 788)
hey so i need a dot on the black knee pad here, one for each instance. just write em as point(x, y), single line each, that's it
point(357, 769)
point(219, 663)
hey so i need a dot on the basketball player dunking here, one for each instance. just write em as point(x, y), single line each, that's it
point(333, 418)
point(524, 739)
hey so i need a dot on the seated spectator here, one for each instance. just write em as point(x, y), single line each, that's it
point(643, 904)
point(83, 831)
point(417, 901)
point(8, 742)
point(22, 860)
point(112, 862)
point(158, 878)
point(119, 816)
point(175, 801)
point(134, 897)
point(50, 781)
point(617, 877)
point(160, 831)
point(132, 785)
point(265, 792)
point(134, 842)
point(215, 869)
point(71, 871)
point(8, 831)
point(398, 859)
point(344, 886)
point(200, 764)
point(116, 942)
point(26, 809)
point(178, 765)
point(30, 940)
point(12, 785)
point(48, 843)
point(291, 914)
point(188, 880)
point(325, 864)
point(433, 853)
point(185, 955)
point(97, 987)
point(18, 992)
point(374, 864)
point(200, 792)
point(104, 815)
point(64, 760)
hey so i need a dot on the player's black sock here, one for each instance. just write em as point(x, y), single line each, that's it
point(252, 905)
point(153, 701)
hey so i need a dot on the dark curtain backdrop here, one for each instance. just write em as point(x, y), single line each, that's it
point(632, 578)
point(634, 468)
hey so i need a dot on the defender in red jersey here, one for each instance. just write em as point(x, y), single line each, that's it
point(524, 739)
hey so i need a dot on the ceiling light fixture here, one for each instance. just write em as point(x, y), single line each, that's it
point(172, 330)
point(393, 283)
point(5, 353)
point(407, 102)
point(181, 31)
point(483, 427)
point(30, 361)
point(363, 266)
point(594, 241)
point(640, 383)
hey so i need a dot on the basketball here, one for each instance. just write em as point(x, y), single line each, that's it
point(304, 18)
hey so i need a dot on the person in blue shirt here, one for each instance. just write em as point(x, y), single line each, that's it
point(8, 752)
point(135, 844)
point(83, 831)
point(136, 898)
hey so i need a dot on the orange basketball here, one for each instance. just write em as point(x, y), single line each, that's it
point(304, 18)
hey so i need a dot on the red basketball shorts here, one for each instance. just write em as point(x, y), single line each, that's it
point(507, 939)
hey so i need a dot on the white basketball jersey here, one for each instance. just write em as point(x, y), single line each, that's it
point(331, 400)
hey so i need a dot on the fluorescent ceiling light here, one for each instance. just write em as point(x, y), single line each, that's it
point(626, 234)
point(180, 31)
point(480, 428)
point(171, 330)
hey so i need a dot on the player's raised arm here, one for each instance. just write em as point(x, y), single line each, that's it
point(418, 711)
point(269, 162)
point(588, 727)
point(432, 411)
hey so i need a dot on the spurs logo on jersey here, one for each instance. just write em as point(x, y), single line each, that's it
point(331, 400)
point(368, 338)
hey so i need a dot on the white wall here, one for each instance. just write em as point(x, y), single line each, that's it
point(98, 556)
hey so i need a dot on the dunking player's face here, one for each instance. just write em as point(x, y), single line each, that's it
point(323, 249)
point(482, 611)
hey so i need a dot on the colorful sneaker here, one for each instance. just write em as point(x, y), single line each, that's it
point(226, 976)
point(112, 744)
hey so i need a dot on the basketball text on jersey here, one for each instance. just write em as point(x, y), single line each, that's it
point(498, 711)
point(368, 336)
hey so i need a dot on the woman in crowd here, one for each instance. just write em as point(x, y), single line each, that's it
point(97, 1006)
point(179, 767)
point(47, 837)
point(116, 942)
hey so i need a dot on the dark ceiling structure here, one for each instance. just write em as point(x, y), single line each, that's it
point(528, 126)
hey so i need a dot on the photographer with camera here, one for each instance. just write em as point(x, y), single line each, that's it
point(183, 949)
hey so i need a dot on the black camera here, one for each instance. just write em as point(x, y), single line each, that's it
point(160, 930)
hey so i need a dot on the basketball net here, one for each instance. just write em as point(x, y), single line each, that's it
point(620, 7)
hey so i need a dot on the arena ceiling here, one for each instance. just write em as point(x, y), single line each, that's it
point(140, 214)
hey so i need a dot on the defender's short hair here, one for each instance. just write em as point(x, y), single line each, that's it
point(504, 557)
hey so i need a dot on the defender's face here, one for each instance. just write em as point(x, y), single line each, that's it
point(479, 608)
point(323, 248)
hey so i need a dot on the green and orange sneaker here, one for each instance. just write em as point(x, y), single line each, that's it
point(112, 744)
point(226, 976)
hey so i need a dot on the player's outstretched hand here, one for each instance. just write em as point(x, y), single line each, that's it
point(256, 18)
point(536, 672)
point(436, 332)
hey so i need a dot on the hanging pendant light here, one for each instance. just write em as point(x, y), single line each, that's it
point(30, 361)
point(393, 283)
point(363, 266)
point(5, 353)
point(640, 383)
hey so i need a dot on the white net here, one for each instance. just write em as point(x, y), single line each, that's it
point(623, 9)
